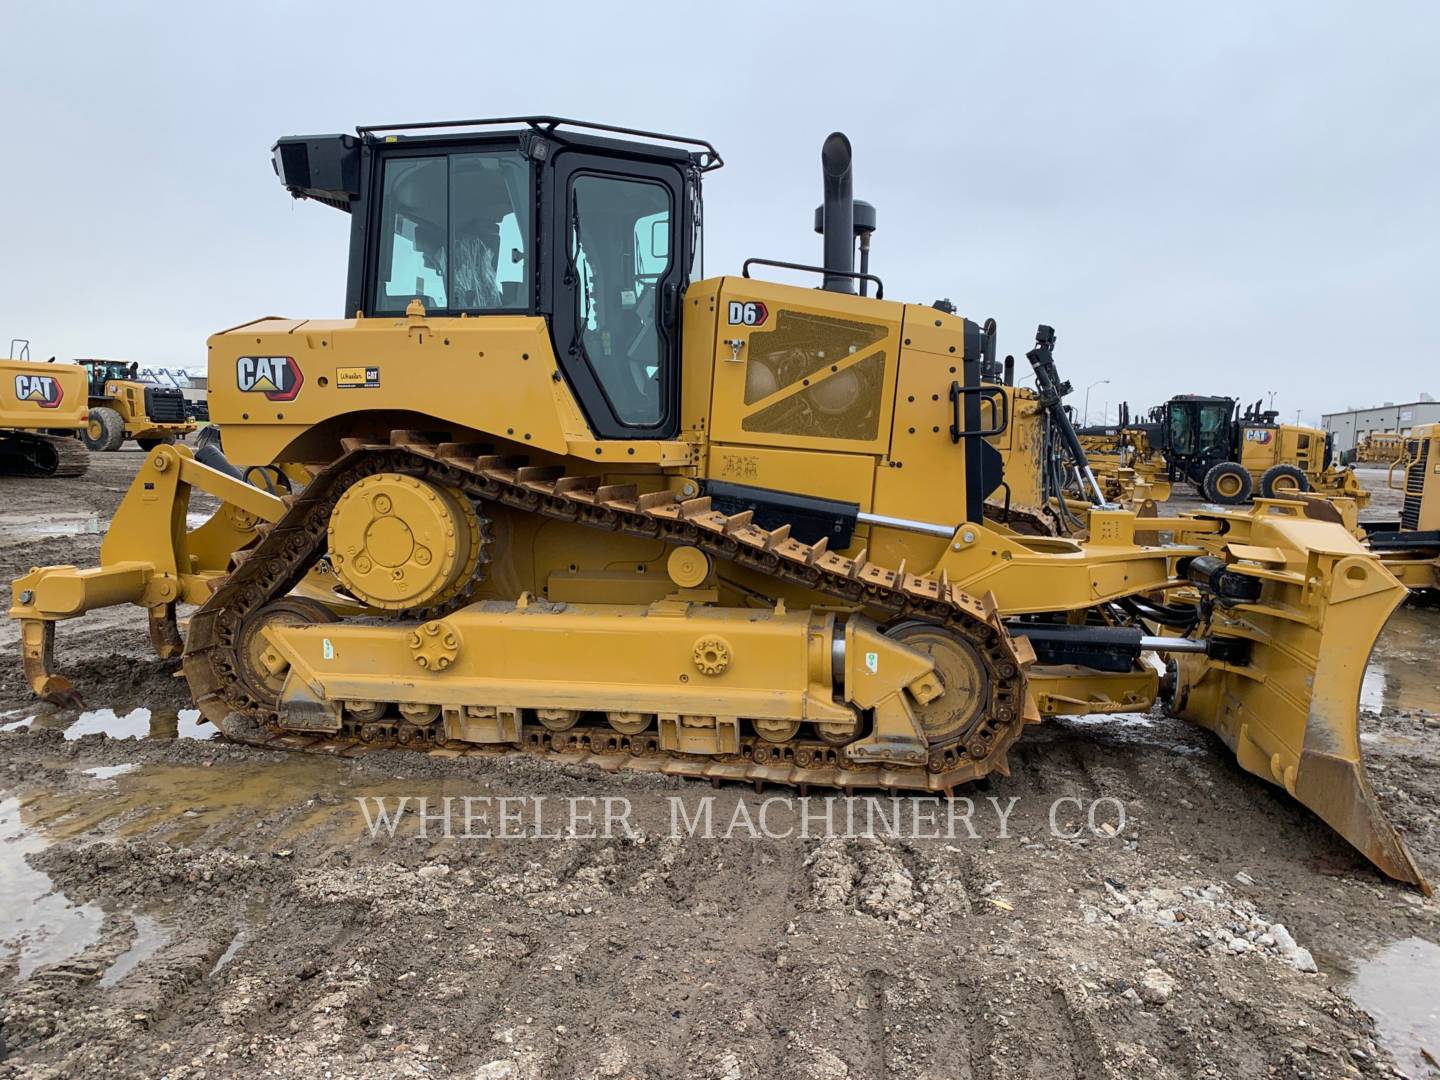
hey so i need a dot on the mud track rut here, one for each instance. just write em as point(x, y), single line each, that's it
point(293, 544)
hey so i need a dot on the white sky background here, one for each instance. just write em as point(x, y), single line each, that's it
point(1209, 197)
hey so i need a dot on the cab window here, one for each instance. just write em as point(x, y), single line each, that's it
point(620, 250)
point(1212, 425)
point(453, 231)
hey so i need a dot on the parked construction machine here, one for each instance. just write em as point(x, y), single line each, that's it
point(1231, 456)
point(125, 406)
point(1380, 447)
point(1410, 545)
point(1130, 466)
point(563, 494)
point(42, 410)
point(1042, 482)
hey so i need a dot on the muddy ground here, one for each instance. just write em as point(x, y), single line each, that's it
point(174, 906)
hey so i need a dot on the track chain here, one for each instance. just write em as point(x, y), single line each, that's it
point(289, 547)
point(28, 453)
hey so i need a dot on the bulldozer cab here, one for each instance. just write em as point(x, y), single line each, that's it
point(598, 234)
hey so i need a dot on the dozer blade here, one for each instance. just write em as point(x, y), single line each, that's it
point(1291, 714)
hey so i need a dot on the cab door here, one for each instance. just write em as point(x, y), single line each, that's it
point(620, 259)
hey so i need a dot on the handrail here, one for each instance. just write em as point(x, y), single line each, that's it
point(856, 274)
point(986, 391)
point(1407, 461)
point(548, 124)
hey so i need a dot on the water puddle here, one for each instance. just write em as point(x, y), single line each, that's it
point(1400, 987)
point(300, 798)
point(37, 526)
point(1401, 674)
point(133, 725)
point(141, 723)
point(1118, 721)
point(229, 953)
point(55, 523)
point(150, 935)
point(109, 772)
point(41, 925)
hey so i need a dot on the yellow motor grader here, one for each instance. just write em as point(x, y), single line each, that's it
point(566, 495)
point(42, 410)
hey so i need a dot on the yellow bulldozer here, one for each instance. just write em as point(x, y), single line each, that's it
point(566, 495)
point(125, 406)
point(1410, 545)
point(42, 411)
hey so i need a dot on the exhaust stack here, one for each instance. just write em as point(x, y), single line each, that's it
point(838, 214)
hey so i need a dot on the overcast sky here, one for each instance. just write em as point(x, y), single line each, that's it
point(1214, 197)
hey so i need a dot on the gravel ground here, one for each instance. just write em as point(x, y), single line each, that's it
point(186, 908)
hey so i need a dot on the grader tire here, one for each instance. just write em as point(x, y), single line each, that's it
point(106, 431)
point(1283, 482)
point(1228, 484)
point(149, 444)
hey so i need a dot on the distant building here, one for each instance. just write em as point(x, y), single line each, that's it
point(1351, 426)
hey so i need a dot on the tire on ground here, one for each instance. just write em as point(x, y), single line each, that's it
point(149, 444)
point(106, 431)
point(1281, 481)
point(1228, 484)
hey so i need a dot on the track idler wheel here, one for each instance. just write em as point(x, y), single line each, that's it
point(629, 723)
point(421, 714)
point(965, 685)
point(776, 731)
point(262, 668)
point(833, 734)
point(398, 542)
point(366, 712)
point(557, 719)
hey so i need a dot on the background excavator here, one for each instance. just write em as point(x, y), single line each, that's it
point(557, 492)
point(42, 412)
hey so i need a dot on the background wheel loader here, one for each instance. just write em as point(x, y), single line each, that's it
point(42, 411)
point(591, 505)
point(124, 406)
